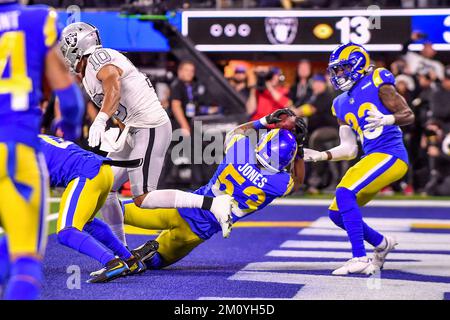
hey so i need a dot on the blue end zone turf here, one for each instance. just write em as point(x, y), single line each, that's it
point(284, 261)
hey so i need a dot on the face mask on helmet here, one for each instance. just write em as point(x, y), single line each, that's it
point(341, 75)
point(276, 150)
point(348, 64)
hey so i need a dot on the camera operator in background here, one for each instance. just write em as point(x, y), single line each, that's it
point(425, 59)
point(437, 130)
point(268, 94)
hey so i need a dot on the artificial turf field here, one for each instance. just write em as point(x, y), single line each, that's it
point(286, 251)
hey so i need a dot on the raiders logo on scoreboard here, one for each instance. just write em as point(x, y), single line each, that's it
point(281, 30)
point(71, 39)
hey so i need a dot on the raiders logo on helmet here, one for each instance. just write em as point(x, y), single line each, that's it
point(281, 30)
point(71, 39)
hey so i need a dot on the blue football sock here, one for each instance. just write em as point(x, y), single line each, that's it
point(101, 232)
point(4, 261)
point(156, 262)
point(370, 235)
point(25, 281)
point(352, 220)
point(85, 244)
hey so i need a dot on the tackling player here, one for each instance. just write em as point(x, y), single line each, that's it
point(370, 108)
point(253, 175)
point(28, 53)
point(121, 91)
point(87, 179)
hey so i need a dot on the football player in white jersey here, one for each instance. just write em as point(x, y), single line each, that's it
point(121, 91)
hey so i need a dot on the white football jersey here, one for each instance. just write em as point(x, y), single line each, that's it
point(139, 105)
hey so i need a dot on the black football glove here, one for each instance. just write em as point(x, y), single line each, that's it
point(301, 134)
point(274, 117)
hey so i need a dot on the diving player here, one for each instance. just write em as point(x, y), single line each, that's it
point(370, 108)
point(87, 179)
point(121, 91)
point(253, 175)
point(28, 53)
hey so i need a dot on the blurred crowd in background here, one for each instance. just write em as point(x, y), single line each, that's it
point(421, 79)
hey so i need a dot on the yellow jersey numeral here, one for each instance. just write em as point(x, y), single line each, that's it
point(224, 179)
point(352, 120)
point(19, 85)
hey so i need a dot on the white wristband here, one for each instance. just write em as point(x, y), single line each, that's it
point(390, 119)
point(263, 121)
point(102, 118)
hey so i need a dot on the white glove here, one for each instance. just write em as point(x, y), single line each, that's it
point(314, 156)
point(97, 129)
point(377, 119)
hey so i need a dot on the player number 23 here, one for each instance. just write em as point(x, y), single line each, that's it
point(352, 120)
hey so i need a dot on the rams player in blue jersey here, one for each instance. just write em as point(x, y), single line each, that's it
point(254, 175)
point(369, 108)
point(87, 179)
point(28, 54)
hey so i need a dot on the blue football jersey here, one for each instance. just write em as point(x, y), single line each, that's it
point(352, 106)
point(240, 176)
point(26, 35)
point(67, 161)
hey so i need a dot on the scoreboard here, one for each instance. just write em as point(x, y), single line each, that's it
point(314, 30)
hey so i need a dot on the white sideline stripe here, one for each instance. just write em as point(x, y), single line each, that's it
point(327, 202)
point(373, 203)
point(240, 298)
point(332, 230)
point(346, 255)
point(407, 246)
point(393, 224)
point(400, 236)
point(50, 217)
point(324, 222)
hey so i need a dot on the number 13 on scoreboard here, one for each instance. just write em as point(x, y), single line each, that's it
point(361, 27)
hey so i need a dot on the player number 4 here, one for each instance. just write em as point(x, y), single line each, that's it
point(17, 83)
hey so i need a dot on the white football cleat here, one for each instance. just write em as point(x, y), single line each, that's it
point(362, 265)
point(221, 209)
point(379, 255)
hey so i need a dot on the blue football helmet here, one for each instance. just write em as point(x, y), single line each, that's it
point(348, 63)
point(276, 149)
